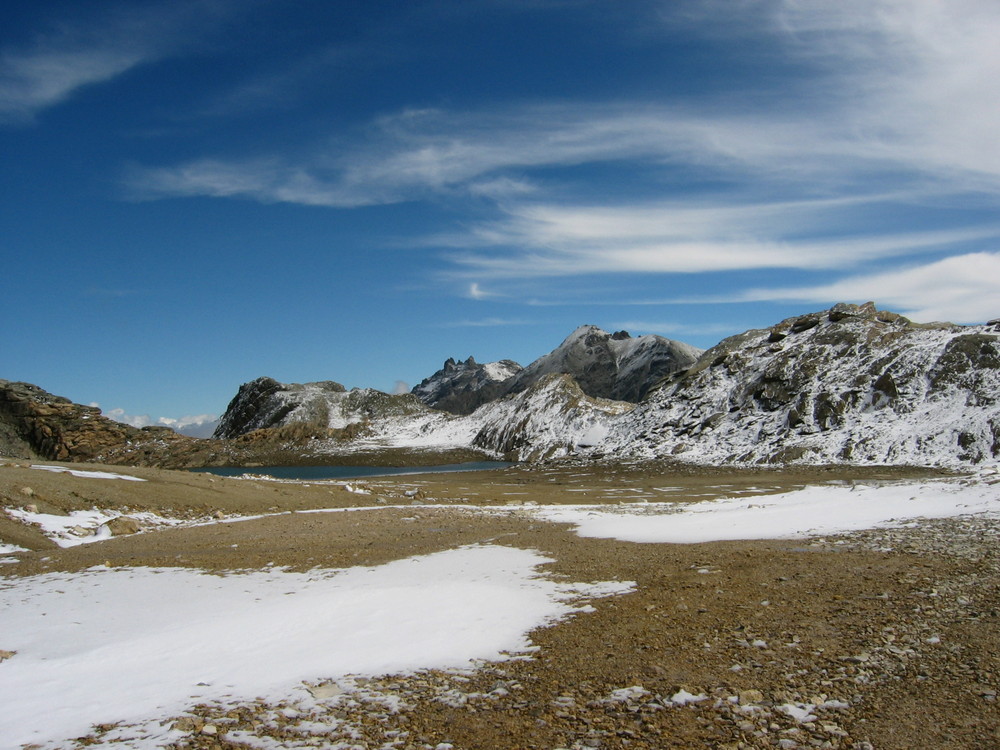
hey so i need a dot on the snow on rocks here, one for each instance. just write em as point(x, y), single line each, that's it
point(94, 525)
point(552, 418)
point(851, 384)
point(99, 524)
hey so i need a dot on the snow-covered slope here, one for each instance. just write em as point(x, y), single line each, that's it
point(851, 384)
point(550, 419)
point(461, 387)
point(605, 365)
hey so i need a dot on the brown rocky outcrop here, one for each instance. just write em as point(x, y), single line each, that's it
point(37, 424)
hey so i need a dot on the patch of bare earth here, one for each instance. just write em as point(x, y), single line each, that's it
point(881, 639)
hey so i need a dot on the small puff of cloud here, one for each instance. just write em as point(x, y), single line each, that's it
point(476, 292)
point(200, 425)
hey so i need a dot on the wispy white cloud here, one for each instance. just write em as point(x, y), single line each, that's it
point(891, 106)
point(917, 78)
point(545, 240)
point(667, 328)
point(267, 180)
point(961, 289)
point(199, 425)
point(93, 48)
point(487, 323)
point(476, 291)
point(894, 85)
point(420, 152)
point(35, 80)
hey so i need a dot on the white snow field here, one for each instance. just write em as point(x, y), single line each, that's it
point(140, 644)
point(811, 511)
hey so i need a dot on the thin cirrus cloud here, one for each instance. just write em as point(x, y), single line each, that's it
point(94, 48)
point(682, 238)
point(418, 152)
point(33, 81)
point(894, 86)
point(962, 288)
point(894, 108)
point(415, 153)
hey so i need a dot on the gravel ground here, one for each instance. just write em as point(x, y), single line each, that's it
point(877, 639)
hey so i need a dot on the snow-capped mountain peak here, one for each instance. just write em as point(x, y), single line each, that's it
point(615, 366)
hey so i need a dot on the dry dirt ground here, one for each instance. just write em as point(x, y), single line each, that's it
point(893, 636)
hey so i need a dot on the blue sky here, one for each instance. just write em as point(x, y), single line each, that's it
point(200, 192)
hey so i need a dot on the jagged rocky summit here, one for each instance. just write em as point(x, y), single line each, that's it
point(850, 384)
point(462, 387)
point(610, 365)
point(604, 365)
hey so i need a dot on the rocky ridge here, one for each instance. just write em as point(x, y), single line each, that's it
point(850, 384)
point(326, 407)
point(605, 365)
point(609, 365)
point(552, 418)
point(462, 387)
point(36, 424)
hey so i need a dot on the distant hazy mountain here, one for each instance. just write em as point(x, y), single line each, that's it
point(197, 429)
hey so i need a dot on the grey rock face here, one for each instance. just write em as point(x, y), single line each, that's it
point(325, 407)
point(553, 417)
point(265, 402)
point(462, 387)
point(849, 384)
point(613, 366)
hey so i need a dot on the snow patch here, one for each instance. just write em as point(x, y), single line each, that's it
point(811, 511)
point(87, 474)
point(132, 644)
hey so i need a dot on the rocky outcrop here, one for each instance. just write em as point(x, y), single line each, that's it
point(264, 403)
point(612, 366)
point(462, 387)
point(36, 424)
point(323, 409)
point(850, 384)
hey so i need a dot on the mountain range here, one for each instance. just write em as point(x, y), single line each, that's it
point(604, 365)
point(852, 384)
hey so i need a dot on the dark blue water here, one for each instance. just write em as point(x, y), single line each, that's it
point(347, 472)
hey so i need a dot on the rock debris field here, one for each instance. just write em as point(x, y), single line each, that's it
point(559, 606)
